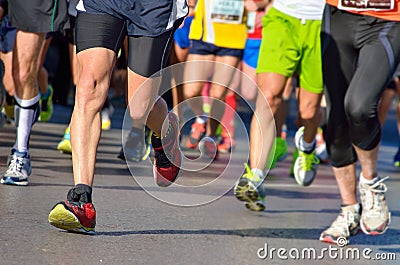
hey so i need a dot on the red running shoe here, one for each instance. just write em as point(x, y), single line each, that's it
point(196, 134)
point(72, 215)
point(167, 155)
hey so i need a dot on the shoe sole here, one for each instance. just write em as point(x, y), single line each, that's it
point(376, 233)
point(9, 181)
point(258, 206)
point(62, 218)
point(246, 192)
point(329, 239)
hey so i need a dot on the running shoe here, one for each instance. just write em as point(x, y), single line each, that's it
point(208, 148)
point(19, 169)
point(106, 114)
point(46, 105)
point(9, 107)
point(197, 133)
point(375, 217)
point(167, 155)
point(280, 152)
point(64, 146)
point(295, 156)
point(137, 148)
point(320, 149)
point(226, 145)
point(396, 159)
point(76, 214)
point(249, 189)
point(305, 167)
point(345, 225)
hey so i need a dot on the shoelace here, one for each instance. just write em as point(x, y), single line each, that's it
point(17, 164)
point(249, 175)
point(373, 196)
point(162, 160)
point(344, 221)
point(308, 160)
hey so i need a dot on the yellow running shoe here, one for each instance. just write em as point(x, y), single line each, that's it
point(9, 107)
point(249, 189)
point(305, 167)
point(64, 146)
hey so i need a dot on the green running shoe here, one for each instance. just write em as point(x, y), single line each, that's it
point(249, 189)
point(280, 152)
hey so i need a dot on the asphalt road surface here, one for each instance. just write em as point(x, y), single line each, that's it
point(139, 223)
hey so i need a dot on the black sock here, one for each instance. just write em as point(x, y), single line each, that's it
point(80, 194)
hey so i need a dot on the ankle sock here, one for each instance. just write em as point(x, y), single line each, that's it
point(306, 147)
point(368, 181)
point(80, 194)
point(354, 207)
point(258, 172)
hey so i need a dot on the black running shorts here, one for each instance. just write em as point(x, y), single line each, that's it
point(149, 18)
point(147, 55)
point(39, 15)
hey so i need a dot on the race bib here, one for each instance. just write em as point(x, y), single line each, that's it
point(366, 5)
point(227, 11)
point(251, 21)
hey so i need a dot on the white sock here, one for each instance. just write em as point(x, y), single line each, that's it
point(200, 120)
point(353, 207)
point(368, 181)
point(25, 113)
point(258, 172)
point(306, 147)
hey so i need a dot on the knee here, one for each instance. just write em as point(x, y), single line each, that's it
point(357, 111)
point(218, 92)
point(23, 75)
point(339, 147)
point(248, 94)
point(192, 90)
point(268, 101)
point(91, 93)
